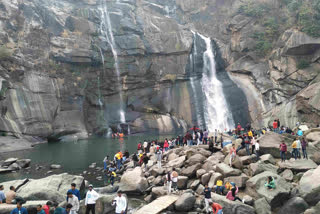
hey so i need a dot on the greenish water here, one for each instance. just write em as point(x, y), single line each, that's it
point(74, 157)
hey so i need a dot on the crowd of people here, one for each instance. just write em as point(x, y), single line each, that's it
point(73, 202)
point(195, 136)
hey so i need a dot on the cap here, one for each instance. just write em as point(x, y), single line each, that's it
point(91, 185)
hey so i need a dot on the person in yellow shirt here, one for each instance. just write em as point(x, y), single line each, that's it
point(294, 150)
point(228, 186)
point(220, 187)
point(250, 134)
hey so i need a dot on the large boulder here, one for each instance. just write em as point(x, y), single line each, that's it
point(276, 197)
point(177, 163)
point(226, 170)
point(287, 174)
point(24, 163)
point(191, 170)
point(237, 163)
point(9, 161)
point(259, 167)
point(233, 207)
point(213, 179)
point(262, 206)
point(299, 165)
point(182, 182)
point(269, 144)
point(53, 188)
point(313, 210)
point(200, 172)
point(185, 202)
point(205, 178)
point(159, 191)
point(267, 158)
point(133, 181)
point(313, 136)
point(310, 187)
point(248, 159)
point(195, 159)
point(212, 161)
point(295, 205)
point(240, 181)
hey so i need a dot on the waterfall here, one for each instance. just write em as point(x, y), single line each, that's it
point(198, 110)
point(106, 30)
point(216, 112)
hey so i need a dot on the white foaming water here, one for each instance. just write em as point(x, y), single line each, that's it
point(199, 121)
point(106, 30)
point(216, 110)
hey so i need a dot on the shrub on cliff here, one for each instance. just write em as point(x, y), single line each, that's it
point(4, 53)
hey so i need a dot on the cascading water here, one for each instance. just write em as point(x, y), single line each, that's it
point(106, 30)
point(193, 82)
point(216, 112)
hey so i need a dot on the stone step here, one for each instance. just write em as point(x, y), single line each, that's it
point(158, 205)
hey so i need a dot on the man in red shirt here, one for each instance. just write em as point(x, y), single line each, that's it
point(216, 208)
point(275, 126)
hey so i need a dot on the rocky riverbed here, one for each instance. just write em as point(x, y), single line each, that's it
point(296, 192)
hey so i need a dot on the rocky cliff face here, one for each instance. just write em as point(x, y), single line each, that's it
point(58, 75)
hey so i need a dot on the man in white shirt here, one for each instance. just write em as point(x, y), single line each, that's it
point(73, 200)
point(121, 203)
point(91, 198)
point(174, 178)
point(257, 148)
point(145, 146)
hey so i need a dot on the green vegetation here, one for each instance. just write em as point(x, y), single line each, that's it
point(263, 45)
point(4, 53)
point(302, 64)
point(253, 9)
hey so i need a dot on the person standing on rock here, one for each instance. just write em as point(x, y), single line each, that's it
point(121, 203)
point(275, 125)
point(298, 148)
point(216, 208)
point(233, 154)
point(2, 195)
point(215, 134)
point(247, 144)
point(105, 162)
point(304, 145)
point(90, 201)
point(188, 137)
point(168, 182)
point(166, 145)
point(257, 149)
point(135, 159)
point(74, 191)
point(145, 161)
point(294, 152)
point(74, 201)
point(283, 150)
point(243, 144)
point(145, 146)
point(205, 136)
point(239, 128)
point(207, 198)
point(253, 144)
point(159, 156)
point(174, 176)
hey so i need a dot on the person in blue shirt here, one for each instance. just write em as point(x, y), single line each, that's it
point(300, 132)
point(19, 209)
point(2, 195)
point(74, 191)
point(40, 210)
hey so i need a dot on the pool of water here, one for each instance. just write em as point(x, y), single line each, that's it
point(74, 157)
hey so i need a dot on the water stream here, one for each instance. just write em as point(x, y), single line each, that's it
point(106, 31)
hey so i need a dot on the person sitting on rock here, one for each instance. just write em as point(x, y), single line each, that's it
point(219, 187)
point(233, 154)
point(40, 210)
point(19, 209)
point(232, 194)
point(270, 184)
point(58, 209)
point(2, 195)
point(228, 186)
point(216, 208)
point(10, 195)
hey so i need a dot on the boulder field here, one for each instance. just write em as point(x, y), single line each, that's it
point(296, 190)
